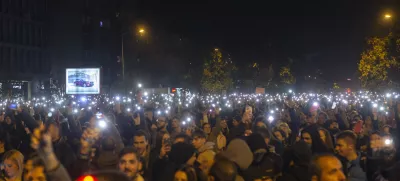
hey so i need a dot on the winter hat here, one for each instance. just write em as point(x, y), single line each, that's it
point(181, 153)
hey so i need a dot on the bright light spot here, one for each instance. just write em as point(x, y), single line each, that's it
point(83, 99)
point(290, 91)
point(145, 93)
point(388, 95)
point(272, 112)
point(159, 112)
point(381, 108)
point(75, 110)
point(102, 124)
point(387, 16)
point(139, 85)
point(129, 109)
point(388, 141)
point(375, 105)
point(183, 122)
point(52, 109)
point(270, 118)
point(315, 104)
point(117, 98)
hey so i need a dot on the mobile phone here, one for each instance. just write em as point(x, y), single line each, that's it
point(13, 106)
point(334, 105)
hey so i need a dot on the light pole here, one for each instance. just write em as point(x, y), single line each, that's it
point(141, 32)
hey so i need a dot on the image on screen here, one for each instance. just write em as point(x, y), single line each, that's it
point(82, 81)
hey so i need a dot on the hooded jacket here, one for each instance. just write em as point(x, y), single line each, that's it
point(239, 153)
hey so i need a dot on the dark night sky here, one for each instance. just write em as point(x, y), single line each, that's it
point(325, 34)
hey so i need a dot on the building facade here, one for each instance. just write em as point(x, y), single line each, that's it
point(23, 58)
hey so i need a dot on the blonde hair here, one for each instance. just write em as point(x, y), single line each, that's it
point(17, 158)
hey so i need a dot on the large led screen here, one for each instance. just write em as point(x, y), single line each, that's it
point(82, 81)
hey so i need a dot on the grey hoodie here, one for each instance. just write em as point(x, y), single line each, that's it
point(239, 152)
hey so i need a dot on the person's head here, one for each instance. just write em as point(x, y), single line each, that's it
point(8, 119)
point(199, 139)
point(108, 144)
point(148, 114)
point(326, 168)
point(285, 128)
point(333, 125)
point(185, 173)
point(386, 129)
point(54, 130)
point(236, 121)
point(140, 141)
point(206, 128)
point(13, 161)
point(279, 135)
point(129, 162)
point(182, 153)
point(206, 160)
point(368, 121)
point(222, 170)
point(311, 136)
point(265, 133)
point(162, 122)
point(321, 118)
point(175, 123)
point(346, 143)
point(326, 137)
point(35, 169)
point(182, 138)
point(375, 139)
point(223, 123)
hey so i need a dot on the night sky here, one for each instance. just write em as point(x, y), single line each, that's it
point(326, 35)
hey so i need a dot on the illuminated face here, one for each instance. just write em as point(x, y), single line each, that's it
point(11, 168)
point(175, 123)
point(284, 128)
point(374, 141)
point(148, 115)
point(342, 148)
point(129, 164)
point(140, 143)
point(207, 128)
point(278, 136)
point(306, 137)
point(331, 170)
point(161, 123)
point(36, 173)
point(260, 124)
point(334, 125)
point(180, 176)
point(223, 124)
point(386, 130)
point(198, 142)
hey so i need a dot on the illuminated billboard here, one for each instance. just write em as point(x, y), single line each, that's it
point(82, 81)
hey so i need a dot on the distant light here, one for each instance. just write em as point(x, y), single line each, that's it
point(290, 91)
point(83, 99)
point(141, 30)
point(52, 109)
point(387, 16)
point(349, 79)
point(375, 105)
point(388, 95)
point(101, 23)
point(139, 85)
point(315, 104)
point(145, 93)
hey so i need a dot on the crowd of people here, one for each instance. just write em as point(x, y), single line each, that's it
point(290, 141)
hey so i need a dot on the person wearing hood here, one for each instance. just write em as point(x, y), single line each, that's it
point(265, 164)
point(205, 156)
point(299, 165)
point(311, 136)
point(239, 152)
